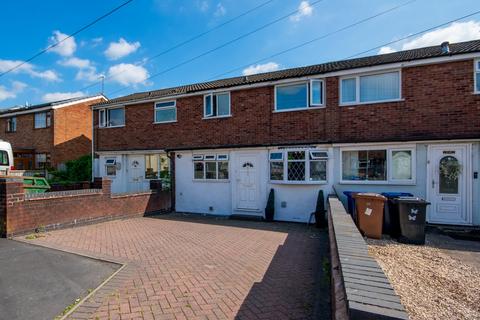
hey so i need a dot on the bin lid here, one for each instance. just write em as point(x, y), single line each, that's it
point(396, 194)
point(368, 195)
point(411, 200)
point(349, 193)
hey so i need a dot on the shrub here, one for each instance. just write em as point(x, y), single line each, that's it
point(75, 171)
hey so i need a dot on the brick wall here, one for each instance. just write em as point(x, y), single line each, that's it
point(438, 104)
point(20, 214)
point(72, 131)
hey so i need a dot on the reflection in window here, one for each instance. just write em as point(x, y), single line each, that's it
point(449, 171)
point(367, 165)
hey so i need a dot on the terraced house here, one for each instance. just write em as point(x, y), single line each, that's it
point(46, 135)
point(406, 121)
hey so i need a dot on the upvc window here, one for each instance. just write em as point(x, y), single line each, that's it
point(11, 124)
point(370, 88)
point(42, 119)
point(298, 96)
point(216, 105)
point(384, 165)
point(210, 167)
point(477, 76)
point(298, 166)
point(42, 160)
point(111, 167)
point(165, 111)
point(112, 117)
point(157, 166)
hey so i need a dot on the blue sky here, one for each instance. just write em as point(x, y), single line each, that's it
point(120, 45)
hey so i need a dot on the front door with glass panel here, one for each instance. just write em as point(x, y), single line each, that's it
point(247, 182)
point(448, 184)
point(135, 173)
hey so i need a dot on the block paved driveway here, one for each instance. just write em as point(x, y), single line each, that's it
point(193, 267)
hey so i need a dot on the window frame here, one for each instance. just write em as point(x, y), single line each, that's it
point(48, 119)
point(114, 164)
point(104, 123)
point(307, 161)
point(389, 150)
point(357, 87)
point(214, 95)
point(309, 95)
point(155, 109)
point(8, 128)
point(217, 159)
point(311, 104)
point(476, 70)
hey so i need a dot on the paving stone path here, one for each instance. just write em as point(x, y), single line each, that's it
point(193, 267)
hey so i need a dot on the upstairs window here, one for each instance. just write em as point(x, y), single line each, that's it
point(165, 112)
point(210, 167)
point(370, 88)
point(298, 166)
point(42, 120)
point(114, 117)
point(11, 124)
point(477, 76)
point(299, 95)
point(216, 105)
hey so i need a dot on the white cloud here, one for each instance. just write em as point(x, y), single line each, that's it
point(220, 11)
point(29, 69)
point(56, 96)
point(75, 62)
point(259, 68)
point(9, 93)
point(384, 50)
point(86, 70)
point(304, 10)
point(65, 48)
point(127, 74)
point(97, 41)
point(122, 48)
point(455, 32)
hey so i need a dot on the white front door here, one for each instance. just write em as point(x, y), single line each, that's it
point(135, 173)
point(448, 184)
point(247, 182)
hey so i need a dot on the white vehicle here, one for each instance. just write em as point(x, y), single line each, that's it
point(6, 157)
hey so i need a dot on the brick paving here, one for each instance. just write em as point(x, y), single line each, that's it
point(193, 267)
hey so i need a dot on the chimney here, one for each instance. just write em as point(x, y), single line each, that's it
point(445, 47)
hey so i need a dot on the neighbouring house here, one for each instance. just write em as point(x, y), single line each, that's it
point(406, 121)
point(49, 134)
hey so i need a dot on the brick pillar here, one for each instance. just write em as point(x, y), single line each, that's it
point(106, 186)
point(11, 192)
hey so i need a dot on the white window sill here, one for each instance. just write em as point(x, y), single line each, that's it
point(476, 93)
point(211, 180)
point(297, 182)
point(390, 183)
point(164, 122)
point(353, 104)
point(109, 127)
point(217, 117)
point(299, 109)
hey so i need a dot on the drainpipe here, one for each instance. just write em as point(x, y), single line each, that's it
point(93, 141)
point(171, 156)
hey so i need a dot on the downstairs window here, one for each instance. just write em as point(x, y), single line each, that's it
point(298, 166)
point(210, 167)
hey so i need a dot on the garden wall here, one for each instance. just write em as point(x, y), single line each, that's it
point(360, 289)
point(21, 213)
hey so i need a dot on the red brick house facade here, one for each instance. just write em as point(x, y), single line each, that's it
point(49, 134)
point(384, 145)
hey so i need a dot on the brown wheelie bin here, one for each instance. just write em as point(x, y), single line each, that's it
point(370, 213)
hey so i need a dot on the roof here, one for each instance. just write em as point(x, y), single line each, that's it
point(376, 60)
point(52, 104)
